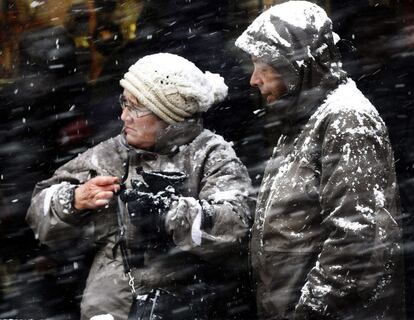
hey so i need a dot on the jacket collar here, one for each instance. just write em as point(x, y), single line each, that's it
point(168, 140)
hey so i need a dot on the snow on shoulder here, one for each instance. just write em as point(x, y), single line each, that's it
point(348, 99)
point(348, 96)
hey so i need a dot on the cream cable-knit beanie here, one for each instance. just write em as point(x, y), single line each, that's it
point(172, 87)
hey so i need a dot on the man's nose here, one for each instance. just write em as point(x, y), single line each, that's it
point(255, 79)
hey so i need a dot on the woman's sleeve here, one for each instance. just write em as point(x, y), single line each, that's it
point(51, 215)
point(220, 217)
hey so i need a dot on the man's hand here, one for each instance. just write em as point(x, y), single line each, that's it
point(95, 193)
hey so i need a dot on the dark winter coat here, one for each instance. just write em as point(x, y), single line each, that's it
point(216, 187)
point(325, 241)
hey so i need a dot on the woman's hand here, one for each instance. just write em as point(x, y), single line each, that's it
point(95, 193)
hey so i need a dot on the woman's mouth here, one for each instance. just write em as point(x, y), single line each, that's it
point(128, 130)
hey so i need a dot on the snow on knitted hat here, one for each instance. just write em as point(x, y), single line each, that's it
point(172, 87)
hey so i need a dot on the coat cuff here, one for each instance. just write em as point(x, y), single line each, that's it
point(62, 204)
point(187, 219)
point(207, 215)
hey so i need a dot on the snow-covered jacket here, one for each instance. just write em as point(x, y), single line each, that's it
point(216, 185)
point(326, 237)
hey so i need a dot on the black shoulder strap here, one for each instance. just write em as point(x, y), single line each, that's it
point(121, 239)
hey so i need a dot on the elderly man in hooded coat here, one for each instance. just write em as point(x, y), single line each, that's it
point(325, 242)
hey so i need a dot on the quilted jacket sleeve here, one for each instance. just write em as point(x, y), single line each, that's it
point(51, 215)
point(220, 215)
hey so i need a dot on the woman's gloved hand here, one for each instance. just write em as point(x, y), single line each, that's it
point(149, 201)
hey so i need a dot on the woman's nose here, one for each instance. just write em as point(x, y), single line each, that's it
point(125, 116)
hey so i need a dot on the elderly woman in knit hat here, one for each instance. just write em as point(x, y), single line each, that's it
point(163, 202)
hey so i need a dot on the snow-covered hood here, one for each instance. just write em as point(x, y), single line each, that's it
point(296, 38)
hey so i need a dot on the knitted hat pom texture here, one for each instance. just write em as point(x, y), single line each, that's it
point(173, 87)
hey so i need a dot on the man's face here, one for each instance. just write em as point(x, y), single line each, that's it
point(268, 80)
point(141, 127)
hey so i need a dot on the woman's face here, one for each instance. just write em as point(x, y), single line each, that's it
point(141, 126)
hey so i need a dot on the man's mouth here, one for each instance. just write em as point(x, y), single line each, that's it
point(270, 98)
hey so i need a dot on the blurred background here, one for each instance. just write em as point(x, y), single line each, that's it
point(60, 63)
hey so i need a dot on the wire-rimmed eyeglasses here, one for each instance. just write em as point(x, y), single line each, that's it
point(136, 110)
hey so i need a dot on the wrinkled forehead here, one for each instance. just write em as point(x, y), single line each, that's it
point(261, 63)
point(132, 101)
point(128, 96)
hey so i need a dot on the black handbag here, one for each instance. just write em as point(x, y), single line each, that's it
point(161, 304)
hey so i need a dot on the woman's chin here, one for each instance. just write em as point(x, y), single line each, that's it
point(130, 139)
point(138, 143)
